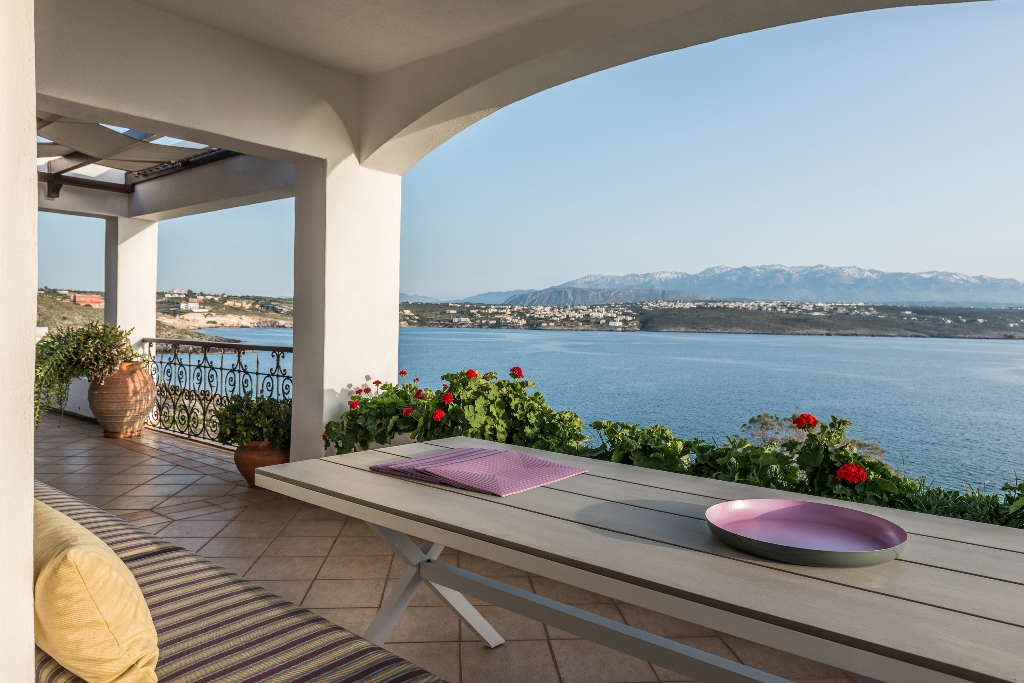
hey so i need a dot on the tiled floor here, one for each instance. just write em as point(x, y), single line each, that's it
point(191, 494)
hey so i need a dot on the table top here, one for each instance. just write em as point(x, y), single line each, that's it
point(953, 602)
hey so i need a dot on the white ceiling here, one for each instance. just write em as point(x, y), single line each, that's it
point(363, 36)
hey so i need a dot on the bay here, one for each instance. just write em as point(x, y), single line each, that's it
point(948, 409)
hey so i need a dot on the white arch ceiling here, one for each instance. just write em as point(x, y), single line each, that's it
point(384, 81)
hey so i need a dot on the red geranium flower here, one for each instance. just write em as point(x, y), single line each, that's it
point(447, 397)
point(438, 415)
point(444, 385)
point(324, 437)
point(805, 421)
point(402, 373)
point(376, 382)
point(851, 474)
point(471, 374)
point(416, 379)
point(406, 412)
point(352, 405)
point(418, 394)
point(516, 372)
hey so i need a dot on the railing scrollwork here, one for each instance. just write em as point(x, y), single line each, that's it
point(195, 378)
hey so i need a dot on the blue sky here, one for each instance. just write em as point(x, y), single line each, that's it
point(889, 140)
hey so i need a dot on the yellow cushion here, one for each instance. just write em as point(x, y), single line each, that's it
point(90, 614)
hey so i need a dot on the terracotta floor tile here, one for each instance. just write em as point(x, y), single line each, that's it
point(162, 478)
point(79, 478)
point(581, 661)
point(154, 529)
point(153, 469)
point(426, 624)
point(202, 513)
point(292, 591)
point(179, 504)
point(308, 546)
point(130, 502)
point(778, 662)
point(563, 592)
point(220, 514)
point(56, 468)
point(256, 529)
point(285, 568)
point(313, 527)
point(312, 513)
point(105, 489)
point(346, 593)
point(150, 489)
point(440, 659)
point(360, 545)
point(355, 619)
point(192, 528)
point(356, 527)
point(661, 624)
point(351, 566)
point(103, 468)
point(222, 546)
point(602, 609)
point(509, 625)
point(424, 596)
point(516, 661)
point(236, 565)
point(123, 478)
point(208, 490)
point(269, 513)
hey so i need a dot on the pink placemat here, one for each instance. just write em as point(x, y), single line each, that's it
point(497, 472)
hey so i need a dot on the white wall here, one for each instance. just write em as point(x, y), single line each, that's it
point(18, 264)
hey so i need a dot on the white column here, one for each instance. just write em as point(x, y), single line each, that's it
point(347, 225)
point(130, 276)
point(18, 282)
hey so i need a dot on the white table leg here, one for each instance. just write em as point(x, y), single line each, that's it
point(402, 594)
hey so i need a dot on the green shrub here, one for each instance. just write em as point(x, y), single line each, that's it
point(797, 454)
point(94, 351)
point(651, 447)
point(244, 418)
point(742, 462)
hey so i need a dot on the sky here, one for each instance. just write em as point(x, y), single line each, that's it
point(890, 139)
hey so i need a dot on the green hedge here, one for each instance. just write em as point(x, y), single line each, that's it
point(816, 458)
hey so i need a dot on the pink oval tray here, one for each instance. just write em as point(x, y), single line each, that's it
point(801, 532)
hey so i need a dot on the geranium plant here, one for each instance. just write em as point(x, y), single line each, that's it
point(376, 414)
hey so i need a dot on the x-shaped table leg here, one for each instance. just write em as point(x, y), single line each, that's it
point(401, 595)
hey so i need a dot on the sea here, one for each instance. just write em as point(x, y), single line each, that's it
point(950, 410)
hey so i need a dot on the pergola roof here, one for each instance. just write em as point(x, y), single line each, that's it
point(73, 145)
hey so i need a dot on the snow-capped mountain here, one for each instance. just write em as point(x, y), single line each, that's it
point(822, 283)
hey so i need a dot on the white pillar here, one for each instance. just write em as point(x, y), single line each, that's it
point(18, 282)
point(347, 225)
point(130, 276)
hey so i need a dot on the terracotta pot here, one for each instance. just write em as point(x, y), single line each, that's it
point(257, 454)
point(123, 401)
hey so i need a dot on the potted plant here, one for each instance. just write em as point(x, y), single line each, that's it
point(261, 430)
point(122, 393)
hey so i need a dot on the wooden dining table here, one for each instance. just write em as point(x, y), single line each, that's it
point(950, 608)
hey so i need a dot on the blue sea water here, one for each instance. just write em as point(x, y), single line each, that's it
point(948, 409)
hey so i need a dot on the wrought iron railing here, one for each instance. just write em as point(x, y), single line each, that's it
point(195, 378)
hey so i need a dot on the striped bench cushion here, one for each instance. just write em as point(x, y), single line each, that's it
point(214, 626)
point(124, 538)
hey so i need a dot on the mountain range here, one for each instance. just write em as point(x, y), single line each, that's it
point(822, 283)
